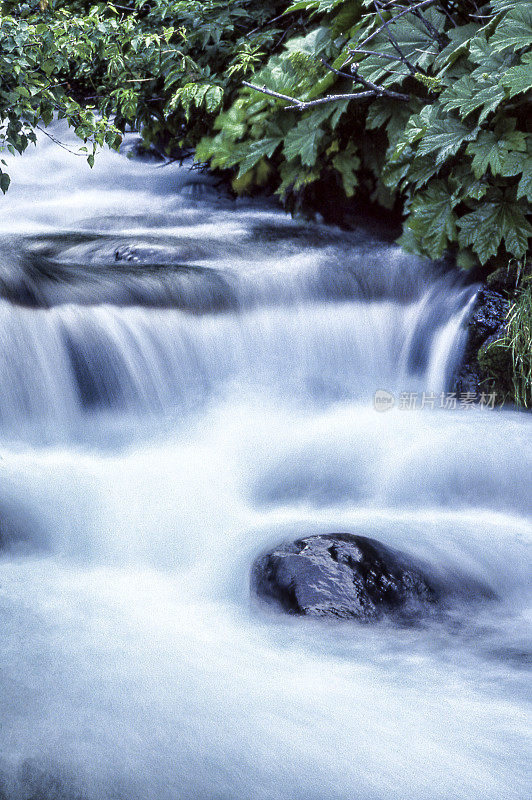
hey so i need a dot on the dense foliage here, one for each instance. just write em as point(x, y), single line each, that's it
point(436, 116)
point(163, 67)
point(423, 107)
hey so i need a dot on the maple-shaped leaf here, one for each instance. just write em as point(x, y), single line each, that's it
point(347, 163)
point(255, 151)
point(485, 228)
point(303, 141)
point(468, 95)
point(518, 79)
point(524, 188)
point(432, 219)
point(496, 150)
point(515, 30)
point(444, 137)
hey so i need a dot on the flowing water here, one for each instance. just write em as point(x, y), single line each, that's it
point(184, 381)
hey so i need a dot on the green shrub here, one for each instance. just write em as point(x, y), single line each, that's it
point(164, 67)
point(433, 114)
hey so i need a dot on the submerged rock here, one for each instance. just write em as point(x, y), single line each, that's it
point(136, 148)
point(344, 576)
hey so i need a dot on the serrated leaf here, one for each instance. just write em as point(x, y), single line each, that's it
point(497, 152)
point(476, 190)
point(303, 141)
point(213, 98)
point(518, 79)
point(458, 46)
point(445, 137)
point(432, 219)
point(421, 170)
point(468, 95)
point(485, 228)
point(514, 31)
point(341, 108)
point(394, 171)
point(414, 41)
point(379, 113)
point(255, 151)
point(524, 188)
point(347, 163)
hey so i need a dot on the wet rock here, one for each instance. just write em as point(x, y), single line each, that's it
point(126, 253)
point(21, 532)
point(343, 576)
point(488, 315)
point(36, 781)
point(140, 151)
point(486, 324)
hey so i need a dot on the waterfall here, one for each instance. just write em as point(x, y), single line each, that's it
point(186, 380)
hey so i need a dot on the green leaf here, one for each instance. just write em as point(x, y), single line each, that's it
point(5, 180)
point(458, 46)
point(347, 163)
point(445, 137)
point(514, 31)
point(264, 148)
point(518, 79)
point(498, 151)
point(524, 189)
point(303, 141)
point(213, 98)
point(421, 170)
point(468, 95)
point(432, 219)
point(485, 228)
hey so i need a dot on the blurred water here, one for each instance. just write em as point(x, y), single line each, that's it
point(184, 381)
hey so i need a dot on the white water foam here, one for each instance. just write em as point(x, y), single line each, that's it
point(148, 454)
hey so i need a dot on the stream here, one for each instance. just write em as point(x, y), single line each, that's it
point(185, 381)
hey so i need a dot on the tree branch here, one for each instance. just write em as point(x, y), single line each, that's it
point(303, 105)
point(357, 50)
point(423, 4)
point(378, 91)
point(393, 40)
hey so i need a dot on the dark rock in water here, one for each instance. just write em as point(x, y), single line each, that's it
point(139, 150)
point(344, 576)
point(486, 324)
point(125, 253)
point(488, 315)
point(21, 531)
point(36, 781)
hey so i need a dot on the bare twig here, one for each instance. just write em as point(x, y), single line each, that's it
point(303, 105)
point(428, 25)
point(393, 40)
point(423, 4)
point(336, 71)
point(373, 87)
point(357, 51)
point(58, 142)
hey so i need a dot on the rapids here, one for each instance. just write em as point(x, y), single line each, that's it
point(186, 380)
